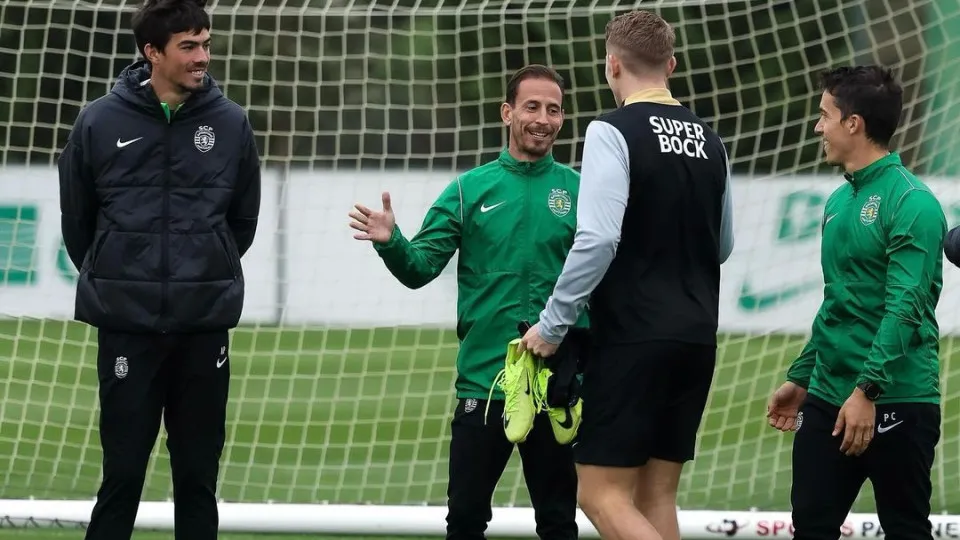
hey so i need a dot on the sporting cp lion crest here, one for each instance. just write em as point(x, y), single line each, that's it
point(559, 202)
point(204, 139)
point(121, 368)
point(871, 210)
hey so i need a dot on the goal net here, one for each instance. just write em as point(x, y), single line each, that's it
point(342, 379)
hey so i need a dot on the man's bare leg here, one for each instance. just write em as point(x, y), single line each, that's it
point(655, 496)
point(606, 495)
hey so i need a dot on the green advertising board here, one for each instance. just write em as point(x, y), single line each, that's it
point(19, 248)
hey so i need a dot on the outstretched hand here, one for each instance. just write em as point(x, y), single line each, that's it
point(376, 226)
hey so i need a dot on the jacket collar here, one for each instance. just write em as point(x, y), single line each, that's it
point(525, 168)
point(652, 95)
point(872, 171)
point(133, 86)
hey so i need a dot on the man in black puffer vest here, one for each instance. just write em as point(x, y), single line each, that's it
point(160, 194)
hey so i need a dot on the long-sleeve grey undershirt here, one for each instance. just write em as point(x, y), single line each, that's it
point(604, 190)
point(726, 217)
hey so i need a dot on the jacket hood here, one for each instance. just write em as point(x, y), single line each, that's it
point(133, 86)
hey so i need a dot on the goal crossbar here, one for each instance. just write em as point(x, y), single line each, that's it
point(551, 8)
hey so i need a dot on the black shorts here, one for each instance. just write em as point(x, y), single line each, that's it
point(642, 401)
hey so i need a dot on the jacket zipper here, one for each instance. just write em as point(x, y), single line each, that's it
point(164, 238)
point(526, 263)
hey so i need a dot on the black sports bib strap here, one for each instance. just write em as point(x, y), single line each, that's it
point(563, 389)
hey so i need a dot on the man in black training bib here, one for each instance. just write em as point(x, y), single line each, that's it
point(653, 226)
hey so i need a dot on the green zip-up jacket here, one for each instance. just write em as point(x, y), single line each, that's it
point(513, 222)
point(882, 264)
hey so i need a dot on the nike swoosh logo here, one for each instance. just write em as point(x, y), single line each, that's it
point(567, 419)
point(484, 208)
point(221, 361)
point(121, 144)
point(751, 300)
point(884, 429)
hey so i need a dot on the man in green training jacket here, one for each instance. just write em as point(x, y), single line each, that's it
point(513, 220)
point(864, 394)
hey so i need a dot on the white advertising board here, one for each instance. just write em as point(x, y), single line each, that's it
point(37, 278)
point(771, 283)
point(335, 280)
point(305, 251)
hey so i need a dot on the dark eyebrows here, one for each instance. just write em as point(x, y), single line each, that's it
point(535, 101)
point(193, 42)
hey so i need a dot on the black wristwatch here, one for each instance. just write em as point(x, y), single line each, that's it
point(870, 390)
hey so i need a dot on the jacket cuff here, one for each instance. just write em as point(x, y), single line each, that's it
point(394, 241)
point(801, 383)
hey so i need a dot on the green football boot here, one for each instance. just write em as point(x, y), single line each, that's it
point(517, 379)
point(565, 421)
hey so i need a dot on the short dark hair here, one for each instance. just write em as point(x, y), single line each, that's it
point(871, 92)
point(533, 71)
point(156, 20)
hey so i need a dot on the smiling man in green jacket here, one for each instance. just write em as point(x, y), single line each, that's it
point(867, 383)
point(513, 221)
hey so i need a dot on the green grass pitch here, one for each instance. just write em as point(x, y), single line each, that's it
point(357, 416)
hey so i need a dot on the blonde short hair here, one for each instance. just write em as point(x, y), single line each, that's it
point(642, 39)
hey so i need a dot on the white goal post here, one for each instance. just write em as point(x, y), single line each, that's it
point(334, 519)
point(342, 379)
